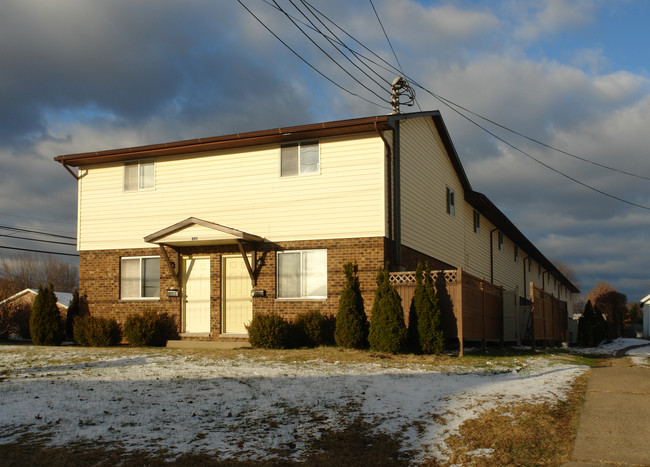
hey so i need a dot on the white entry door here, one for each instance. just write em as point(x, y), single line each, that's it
point(238, 304)
point(196, 295)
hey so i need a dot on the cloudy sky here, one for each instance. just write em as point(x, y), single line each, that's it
point(575, 74)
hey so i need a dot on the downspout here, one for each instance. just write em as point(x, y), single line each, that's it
point(492, 255)
point(525, 292)
point(397, 216)
point(389, 184)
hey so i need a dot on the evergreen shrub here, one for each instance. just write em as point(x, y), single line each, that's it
point(309, 329)
point(432, 339)
point(351, 330)
point(268, 331)
point(387, 329)
point(149, 329)
point(592, 328)
point(45, 323)
point(73, 312)
point(91, 331)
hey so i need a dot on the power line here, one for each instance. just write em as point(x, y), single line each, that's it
point(544, 164)
point(441, 98)
point(304, 60)
point(334, 42)
point(38, 251)
point(6, 227)
point(449, 104)
point(391, 45)
point(38, 240)
point(321, 49)
point(334, 39)
point(541, 143)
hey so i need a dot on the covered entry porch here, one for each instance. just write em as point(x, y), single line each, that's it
point(215, 270)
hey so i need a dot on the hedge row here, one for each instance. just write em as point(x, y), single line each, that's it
point(386, 331)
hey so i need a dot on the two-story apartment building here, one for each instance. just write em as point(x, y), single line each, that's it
point(214, 229)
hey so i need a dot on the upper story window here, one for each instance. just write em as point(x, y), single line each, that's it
point(300, 159)
point(477, 222)
point(516, 253)
point(140, 277)
point(539, 271)
point(302, 274)
point(451, 209)
point(500, 237)
point(139, 176)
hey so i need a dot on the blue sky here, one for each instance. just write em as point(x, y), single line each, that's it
point(85, 76)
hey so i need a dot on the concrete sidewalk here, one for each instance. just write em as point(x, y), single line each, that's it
point(614, 426)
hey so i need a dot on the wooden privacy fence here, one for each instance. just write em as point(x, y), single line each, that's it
point(471, 308)
point(549, 317)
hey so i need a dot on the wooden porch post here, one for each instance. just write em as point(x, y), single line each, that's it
point(532, 315)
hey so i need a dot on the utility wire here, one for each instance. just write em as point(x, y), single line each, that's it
point(393, 69)
point(305, 61)
point(334, 39)
point(391, 46)
point(322, 50)
point(604, 193)
point(6, 227)
point(451, 105)
point(541, 143)
point(37, 251)
point(37, 240)
point(333, 43)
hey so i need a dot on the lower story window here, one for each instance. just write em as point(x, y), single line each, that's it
point(140, 277)
point(302, 274)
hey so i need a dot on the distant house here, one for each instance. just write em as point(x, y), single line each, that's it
point(26, 297)
point(645, 303)
point(213, 229)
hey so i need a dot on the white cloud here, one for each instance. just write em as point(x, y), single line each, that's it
point(554, 16)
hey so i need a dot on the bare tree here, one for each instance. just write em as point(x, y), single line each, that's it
point(567, 271)
point(27, 270)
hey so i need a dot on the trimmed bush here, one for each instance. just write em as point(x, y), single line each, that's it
point(91, 331)
point(45, 324)
point(268, 331)
point(309, 329)
point(149, 329)
point(413, 336)
point(430, 333)
point(351, 329)
point(387, 329)
point(73, 312)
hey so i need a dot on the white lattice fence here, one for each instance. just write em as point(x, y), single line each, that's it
point(408, 278)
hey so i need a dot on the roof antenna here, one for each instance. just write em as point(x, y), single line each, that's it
point(401, 88)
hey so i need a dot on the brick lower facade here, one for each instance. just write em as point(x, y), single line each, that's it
point(99, 278)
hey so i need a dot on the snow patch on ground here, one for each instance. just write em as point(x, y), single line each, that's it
point(640, 356)
point(610, 348)
point(244, 407)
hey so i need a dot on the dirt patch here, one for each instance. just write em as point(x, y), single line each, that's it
point(519, 434)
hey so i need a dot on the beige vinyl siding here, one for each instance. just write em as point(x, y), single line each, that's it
point(426, 171)
point(242, 189)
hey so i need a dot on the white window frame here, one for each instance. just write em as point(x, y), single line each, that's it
point(142, 185)
point(301, 169)
point(141, 285)
point(477, 222)
point(500, 240)
point(301, 275)
point(451, 202)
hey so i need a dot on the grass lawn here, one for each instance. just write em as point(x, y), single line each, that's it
point(324, 406)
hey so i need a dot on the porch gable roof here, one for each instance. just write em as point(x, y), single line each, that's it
point(194, 231)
